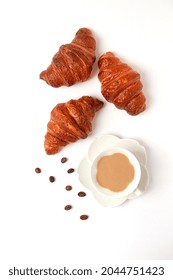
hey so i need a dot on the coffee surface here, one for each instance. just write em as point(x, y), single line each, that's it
point(115, 172)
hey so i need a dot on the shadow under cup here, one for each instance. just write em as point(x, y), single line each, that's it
point(131, 187)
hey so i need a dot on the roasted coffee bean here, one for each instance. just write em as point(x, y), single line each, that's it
point(52, 179)
point(81, 194)
point(37, 170)
point(68, 188)
point(70, 170)
point(84, 217)
point(64, 159)
point(68, 207)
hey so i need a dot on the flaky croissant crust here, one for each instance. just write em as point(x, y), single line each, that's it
point(70, 122)
point(121, 85)
point(73, 62)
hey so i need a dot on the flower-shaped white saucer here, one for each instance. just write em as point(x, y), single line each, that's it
point(99, 146)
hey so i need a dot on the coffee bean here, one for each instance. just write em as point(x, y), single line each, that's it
point(68, 188)
point(68, 207)
point(84, 217)
point(52, 179)
point(70, 170)
point(64, 159)
point(37, 170)
point(81, 194)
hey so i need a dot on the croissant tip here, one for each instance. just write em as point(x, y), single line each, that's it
point(42, 75)
point(98, 104)
point(50, 151)
point(107, 54)
point(137, 111)
point(84, 30)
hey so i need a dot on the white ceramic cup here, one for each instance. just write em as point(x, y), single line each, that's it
point(131, 187)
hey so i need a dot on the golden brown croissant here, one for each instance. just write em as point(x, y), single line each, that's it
point(121, 84)
point(73, 62)
point(69, 122)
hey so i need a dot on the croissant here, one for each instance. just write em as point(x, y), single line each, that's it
point(70, 122)
point(121, 85)
point(73, 62)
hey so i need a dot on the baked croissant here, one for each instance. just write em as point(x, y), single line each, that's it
point(69, 122)
point(121, 85)
point(73, 62)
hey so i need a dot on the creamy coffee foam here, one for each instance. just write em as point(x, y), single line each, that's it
point(115, 172)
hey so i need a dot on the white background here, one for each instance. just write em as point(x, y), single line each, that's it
point(35, 229)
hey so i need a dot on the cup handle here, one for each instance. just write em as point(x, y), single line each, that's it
point(142, 184)
point(135, 194)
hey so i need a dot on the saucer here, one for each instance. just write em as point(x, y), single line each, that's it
point(101, 145)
